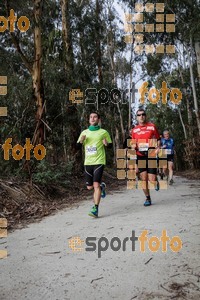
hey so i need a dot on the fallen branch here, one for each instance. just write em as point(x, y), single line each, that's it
point(38, 190)
point(148, 260)
point(96, 279)
point(165, 288)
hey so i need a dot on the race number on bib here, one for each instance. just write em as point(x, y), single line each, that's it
point(91, 150)
point(143, 146)
point(168, 151)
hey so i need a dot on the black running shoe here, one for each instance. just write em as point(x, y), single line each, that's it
point(147, 202)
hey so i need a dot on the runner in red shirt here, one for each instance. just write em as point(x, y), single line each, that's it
point(146, 141)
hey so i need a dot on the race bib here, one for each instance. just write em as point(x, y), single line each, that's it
point(143, 147)
point(133, 157)
point(91, 150)
point(168, 151)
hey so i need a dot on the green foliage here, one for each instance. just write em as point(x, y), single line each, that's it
point(47, 173)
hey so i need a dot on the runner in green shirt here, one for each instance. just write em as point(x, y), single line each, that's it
point(94, 140)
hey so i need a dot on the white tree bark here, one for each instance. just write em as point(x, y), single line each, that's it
point(182, 123)
point(194, 90)
point(189, 114)
point(197, 50)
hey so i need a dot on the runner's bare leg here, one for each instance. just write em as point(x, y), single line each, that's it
point(144, 178)
point(97, 193)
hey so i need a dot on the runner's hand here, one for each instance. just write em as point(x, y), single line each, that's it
point(133, 145)
point(157, 150)
point(83, 138)
point(105, 142)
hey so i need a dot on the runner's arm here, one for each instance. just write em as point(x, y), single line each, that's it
point(157, 136)
point(81, 140)
point(79, 145)
point(109, 146)
point(108, 140)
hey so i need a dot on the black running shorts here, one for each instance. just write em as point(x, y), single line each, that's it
point(145, 161)
point(93, 174)
point(170, 157)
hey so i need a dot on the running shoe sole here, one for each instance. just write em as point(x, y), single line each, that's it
point(147, 203)
point(92, 215)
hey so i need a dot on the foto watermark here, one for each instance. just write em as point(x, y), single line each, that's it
point(23, 23)
point(153, 244)
point(17, 151)
point(154, 94)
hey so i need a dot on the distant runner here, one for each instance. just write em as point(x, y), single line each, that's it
point(146, 137)
point(94, 140)
point(167, 143)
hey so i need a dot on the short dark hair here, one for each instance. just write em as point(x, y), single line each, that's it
point(95, 112)
point(140, 109)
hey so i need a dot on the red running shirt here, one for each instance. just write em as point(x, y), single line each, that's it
point(145, 137)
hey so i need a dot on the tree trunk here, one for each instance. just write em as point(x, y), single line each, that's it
point(85, 76)
point(182, 123)
point(111, 50)
point(121, 122)
point(34, 68)
point(197, 50)
point(36, 73)
point(63, 134)
point(111, 54)
point(98, 43)
point(117, 138)
point(74, 128)
point(114, 148)
point(194, 91)
point(67, 40)
point(189, 113)
point(131, 84)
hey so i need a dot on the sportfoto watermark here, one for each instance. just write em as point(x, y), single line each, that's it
point(154, 244)
point(103, 96)
point(23, 23)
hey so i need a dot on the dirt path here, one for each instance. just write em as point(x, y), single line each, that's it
point(41, 265)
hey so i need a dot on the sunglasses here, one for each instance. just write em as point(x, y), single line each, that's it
point(141, 115)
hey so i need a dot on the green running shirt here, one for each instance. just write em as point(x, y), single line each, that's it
point(93, 145)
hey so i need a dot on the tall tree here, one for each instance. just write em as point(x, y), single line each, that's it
point(34, 68)
point(98, 40)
